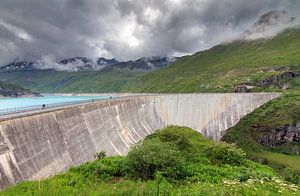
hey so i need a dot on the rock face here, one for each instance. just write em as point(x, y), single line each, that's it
point(43, 143)
point(280, 136)
point(278, 80)
point(281, 81)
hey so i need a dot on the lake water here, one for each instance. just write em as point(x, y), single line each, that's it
point(12, 104)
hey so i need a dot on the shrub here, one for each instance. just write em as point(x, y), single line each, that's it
point(224, 153)
point(177, 136)
point(152, 156)
point(100, 155)
point(110, 167)
point(106, 168)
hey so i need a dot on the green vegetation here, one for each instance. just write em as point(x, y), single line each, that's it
point(173, 161)
point(49, 81)
point(275, 115)
point(12, 90)
point(282, 159)
point(222, 67)
point(8, 86)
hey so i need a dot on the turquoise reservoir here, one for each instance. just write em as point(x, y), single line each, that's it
point(9, 105)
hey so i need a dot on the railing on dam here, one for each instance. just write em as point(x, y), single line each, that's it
point(17, 110)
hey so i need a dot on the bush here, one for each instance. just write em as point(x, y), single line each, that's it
point(177, 136)
point(110, 167)
point(100, 155)
point(152, 156)
point(224, 153)
point(105, 169)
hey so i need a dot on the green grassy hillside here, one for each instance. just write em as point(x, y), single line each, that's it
point(173, 161)
point(50, 81)
point(4, 85)
point(12, 90)
point(222, 67)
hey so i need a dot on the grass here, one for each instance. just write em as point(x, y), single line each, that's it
point(4, 85)
point(201, 174)
point(50, 81)
point(282, 159)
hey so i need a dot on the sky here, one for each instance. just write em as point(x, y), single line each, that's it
point(51, 30)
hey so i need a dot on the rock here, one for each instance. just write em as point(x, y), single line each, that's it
point(281, 135)
point(278, 80)
point(243, 88)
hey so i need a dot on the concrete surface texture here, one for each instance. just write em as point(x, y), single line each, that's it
point(42, 144)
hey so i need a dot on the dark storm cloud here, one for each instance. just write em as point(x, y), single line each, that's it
point(51, 30)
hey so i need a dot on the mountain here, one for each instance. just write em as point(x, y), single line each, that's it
point(87, 64)
point(10, 90)
point(270, 24)
point(242, 65)
point(80, 74)
point(83, 63)
point(146, 64)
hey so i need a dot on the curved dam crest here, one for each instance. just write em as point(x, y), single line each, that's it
point(44, 143)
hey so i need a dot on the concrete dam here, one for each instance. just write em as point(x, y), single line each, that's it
point(43, 143)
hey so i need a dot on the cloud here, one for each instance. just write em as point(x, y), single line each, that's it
point(50, 62)
point(123, 29)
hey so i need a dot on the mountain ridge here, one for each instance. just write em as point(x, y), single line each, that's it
point(88, 64)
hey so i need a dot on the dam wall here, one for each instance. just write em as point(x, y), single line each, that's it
point(41, 144)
